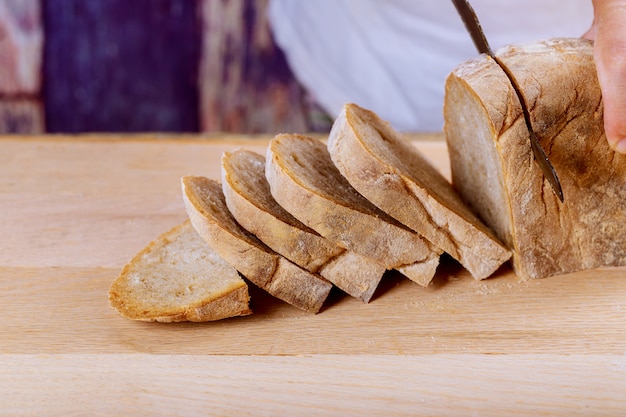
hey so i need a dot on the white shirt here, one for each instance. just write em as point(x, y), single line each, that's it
point(392, 56)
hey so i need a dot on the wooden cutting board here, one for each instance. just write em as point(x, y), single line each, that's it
point(75, 209)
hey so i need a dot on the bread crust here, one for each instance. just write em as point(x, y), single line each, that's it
point(323, 200)
point(209, 215)
point(390, 172)
point(559, 81)
point(235, 303)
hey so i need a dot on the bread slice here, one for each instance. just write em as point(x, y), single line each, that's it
point(493, 167)
point(178, 277)
point(304, 180)
point(249, 199)
point(209, 215)
point(389, 171)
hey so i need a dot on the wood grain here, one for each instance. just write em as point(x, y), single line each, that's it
point(76, 209)
point(320, 385)
point(65, 310)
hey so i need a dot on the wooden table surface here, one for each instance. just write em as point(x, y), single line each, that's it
point(75, 209)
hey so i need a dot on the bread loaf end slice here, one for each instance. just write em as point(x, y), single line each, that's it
point(248, 197)
point(209, 215)
point(304, 180)
point(178, 277)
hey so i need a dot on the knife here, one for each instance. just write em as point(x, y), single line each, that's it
point(472, 24)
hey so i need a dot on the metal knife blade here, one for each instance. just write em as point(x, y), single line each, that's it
point(477, 34)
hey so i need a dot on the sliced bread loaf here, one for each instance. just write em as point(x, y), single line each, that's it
point(493, 167)
point(178, 277)
point(388, 170)
point(248, 198)
point(209, 215)
point(304, 180)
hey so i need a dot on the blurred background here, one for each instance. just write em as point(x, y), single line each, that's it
point(79, 66)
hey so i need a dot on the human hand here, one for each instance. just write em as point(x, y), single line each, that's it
point(609, 33)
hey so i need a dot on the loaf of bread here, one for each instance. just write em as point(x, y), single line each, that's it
point(311, 214)
point(494, 171)
point(209, 215)
point(178, 277)
point(304, 180)
point(248, 198)
point(389, 171)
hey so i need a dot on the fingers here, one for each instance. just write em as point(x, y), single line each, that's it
point(609, 32)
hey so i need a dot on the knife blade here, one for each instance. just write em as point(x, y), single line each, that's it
point(477, 34)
